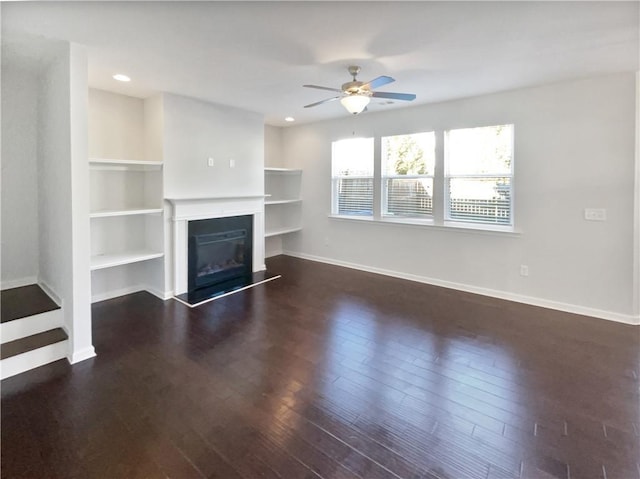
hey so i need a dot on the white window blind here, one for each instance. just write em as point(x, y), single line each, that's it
point(352, 177)
point(408, 163)
point(479, 174)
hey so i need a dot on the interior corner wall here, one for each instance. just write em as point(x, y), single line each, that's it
point(19, 187)
point(273, 156)
point(63, 200)
point(81, 338)
point(636, 216)
point(116, 125)
point(574, 149)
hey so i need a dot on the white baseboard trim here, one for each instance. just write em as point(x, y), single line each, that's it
point(17, 283)
point(47, 289)
point(518, 298)
point(132, 289)
point(82, 355)
point(117, 292)
point(159, 294)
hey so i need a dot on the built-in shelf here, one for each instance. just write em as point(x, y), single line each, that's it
point(127, 212)
point(118, 259)
point(280, 202)
point(282, 170)
point(109, 163)
point(281, 231)
point(283, 205)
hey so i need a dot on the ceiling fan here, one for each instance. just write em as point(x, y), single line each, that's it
point(356, 95)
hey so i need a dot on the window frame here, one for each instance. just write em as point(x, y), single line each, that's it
point(448, 220)
point(384, 196)
point(335, 179)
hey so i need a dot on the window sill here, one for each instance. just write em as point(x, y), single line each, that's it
point(429, 224)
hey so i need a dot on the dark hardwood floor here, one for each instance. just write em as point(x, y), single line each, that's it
point(332, 373)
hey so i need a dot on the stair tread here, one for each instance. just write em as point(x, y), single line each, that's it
point(23, 345)
point(16, 303)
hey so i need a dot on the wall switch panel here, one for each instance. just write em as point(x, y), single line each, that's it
point(210, 162)
point(595, 214)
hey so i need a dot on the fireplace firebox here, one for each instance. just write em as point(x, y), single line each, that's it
point(220, 252)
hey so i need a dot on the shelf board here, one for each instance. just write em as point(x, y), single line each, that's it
point(282, 231)
point(127, 212)
point(109, 163)
point(117, 259)
point(282, 170)
point(281, 202)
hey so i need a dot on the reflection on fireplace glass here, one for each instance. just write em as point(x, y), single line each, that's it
point(220, 252)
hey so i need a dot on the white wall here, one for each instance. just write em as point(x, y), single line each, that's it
point(63, 200)
point(574, 149)
point(19, 178)
point(116, 123)
point(273, 153)
point(195, 131)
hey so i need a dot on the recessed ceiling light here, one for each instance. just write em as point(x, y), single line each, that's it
point(289, 119)
point(121, 77)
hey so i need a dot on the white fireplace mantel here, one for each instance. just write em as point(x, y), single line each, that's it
point(190, 209)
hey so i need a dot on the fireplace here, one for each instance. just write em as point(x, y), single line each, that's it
point(219, 252)
point(187, 214)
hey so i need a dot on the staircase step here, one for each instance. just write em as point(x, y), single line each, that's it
point(24, 345)
point(16, 303)
point(32, 352)
point(23, 327)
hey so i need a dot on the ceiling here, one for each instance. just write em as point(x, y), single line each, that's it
point(257, 55)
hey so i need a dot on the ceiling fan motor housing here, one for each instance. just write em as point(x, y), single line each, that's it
point(355, 88)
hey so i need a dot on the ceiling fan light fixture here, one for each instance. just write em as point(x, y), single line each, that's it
point(355, 103)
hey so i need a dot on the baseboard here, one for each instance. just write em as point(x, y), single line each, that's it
point(82, 355)
point(117, 292)
point(518, 298)
point(47, 289)
point(18, 283)
point(163, 295)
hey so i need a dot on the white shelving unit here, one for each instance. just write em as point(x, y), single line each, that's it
point(283, 205)
point(126, 212)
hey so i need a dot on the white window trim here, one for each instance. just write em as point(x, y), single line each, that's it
point(456, 226)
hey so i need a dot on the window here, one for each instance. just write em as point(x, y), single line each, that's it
point(352, 177)
point(454, 178)
point(408, 163)
point(479, 173)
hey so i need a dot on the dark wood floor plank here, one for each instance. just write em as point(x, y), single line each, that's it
point(16, 303)
point(29, 343)
point(332, 373)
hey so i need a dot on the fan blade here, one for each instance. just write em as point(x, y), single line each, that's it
point(394, 96)
point(377, 82)
point(323, 101)
point(322, 88)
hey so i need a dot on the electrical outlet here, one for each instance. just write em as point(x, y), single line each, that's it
point(232, 163)
point(595, 214)
point(524, 270)
point(210, 162)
